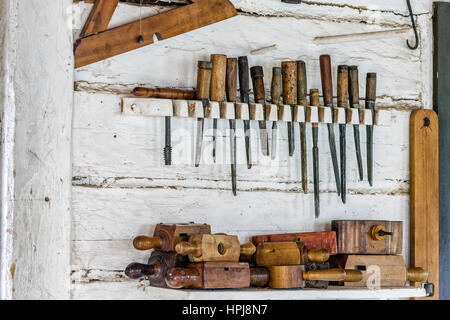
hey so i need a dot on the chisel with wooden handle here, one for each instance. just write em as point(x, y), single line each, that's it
point(260, 97)
point(276, 90)
point(371, 95)
point(327, 88)
point(353, 90)
point(203, 87)
point(302, 94)
point(244, 85)
point(314, 100)
point(289, 71)
point(231, 89)
point(342, 98)
point(164, 93)
point(217, 90)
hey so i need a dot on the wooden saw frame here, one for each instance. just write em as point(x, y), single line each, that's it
point(96, 43)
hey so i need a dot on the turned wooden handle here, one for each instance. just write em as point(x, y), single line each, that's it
point(319, 255)
point(302, 84)
point(327, 82)
point(259, 277)
point(147, 243)
point(248, 249)
point(244, 81)
point(178, 278)
point(231, 79)
point(371, 86)
point(164, 93)
point(289, 75)
point(203, 79)
point(218, 77)
point(333, 275)
point(257, 74)
point(417, 275)
point(184, 248)
point(353, 83)
point(314, 97)
point(342, 91)
point(137, 270)
point(277, 85)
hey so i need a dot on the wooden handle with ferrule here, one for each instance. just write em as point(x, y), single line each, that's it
point(314, 97)
point(302, 84)
point(289, 75)
point(353, 85)
point(203, 79)
point(184, 248)
point(327, 81)
point(277, 85)
point(333, 275)
point(342, 90)
point(371, 87)
point(319, 255)
point(244, 80)
point(257, 75)
point(178, 278)
point(247, 249)
point(259, 277)
point(164, 93)
point(231, 79)
point(218, 77)
point(417, 275)
point(147, 243)
point(137, 270)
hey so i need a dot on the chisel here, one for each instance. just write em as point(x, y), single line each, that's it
point(289, 70)
point(244, 84)
point(231, 90)
point(371, 95)
point(276, 90)
point(342, 98)
point(260, 94)
point(327, 88)
point(353, 91)
point(217, 90)
point(314, 100)
point(203, 87)
point(302, 93)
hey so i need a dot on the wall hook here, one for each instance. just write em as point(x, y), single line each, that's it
point(414, 27)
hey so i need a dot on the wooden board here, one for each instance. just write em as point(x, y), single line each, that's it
point(424, 194)
point(99, 17)
point(312, 240)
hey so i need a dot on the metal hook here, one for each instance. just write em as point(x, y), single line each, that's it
point(414, 27)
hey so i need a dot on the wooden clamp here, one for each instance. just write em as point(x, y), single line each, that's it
point(97, 43)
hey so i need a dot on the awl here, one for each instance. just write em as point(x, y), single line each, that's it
point(302, 93)
point(260, 97)
point(231, 90)
point(289, 70)
point(353, 91)
point(342, 98)
point(276, 89)
point(244, 84)
point(217, 90)
point(371, 95)
point(314, 100)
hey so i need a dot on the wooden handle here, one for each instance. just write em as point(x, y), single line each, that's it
point(371, 86)
point(164, 93)
point(244, 82)
point(259, 277)
point(276, 87)
point(302, 84)
point(184, 248)
point(178, 278)
point(257, 74)
point(248, 249)
point(314, 97)
point(319, 255)
point(353, 83)
point(289, 71)
point(218, 77)
point(342, 91)
point(333, 275)
point(137, 270)
point(417, 275)
point(378, 232)
point(147, 243)
point(231, 79)
point(327, 82)
point(203, 79)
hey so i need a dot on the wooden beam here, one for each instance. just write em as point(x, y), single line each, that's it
point(99, 17)
point(165, 25)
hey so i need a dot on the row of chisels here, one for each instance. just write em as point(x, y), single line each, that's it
point(217, 80)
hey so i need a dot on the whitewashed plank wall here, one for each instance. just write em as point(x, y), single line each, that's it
point(121, 187)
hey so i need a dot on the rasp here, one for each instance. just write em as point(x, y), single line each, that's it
point(302, 93)
point(244, 84)
point(217, 90)
point(231, 90)
point(276, 89)
point(371, 95)
point(327, 88)
point(314, 98)
point(260, 97)
point(203, 87)
point(289, 70)
point(353, 91)
point(342, 98)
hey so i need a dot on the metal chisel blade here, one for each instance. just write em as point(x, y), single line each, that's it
point(198, 146)
point(214, 139)
point(316, 171)
point(233, 155)
point(331, 139)
point(247, 143)
point(343, 154)
point(291, 131)
point(358, 151)
point(370, 154)
point(264, 138)
point(274, 140)
point(304, 157)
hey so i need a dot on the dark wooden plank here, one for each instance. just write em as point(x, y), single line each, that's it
point(442, 106)
point(99, 17)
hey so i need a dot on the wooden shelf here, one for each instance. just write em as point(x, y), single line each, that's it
point(253, 111)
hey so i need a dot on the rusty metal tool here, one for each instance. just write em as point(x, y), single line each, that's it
point(276, 90)
point(342, 97)
point(353, 90)
point(244, 84)
point(260, 97)
point(231, 90)
point(217, 90)
point(314, 100)
point(302, 94)
point(289, 70)
point(371, 95)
